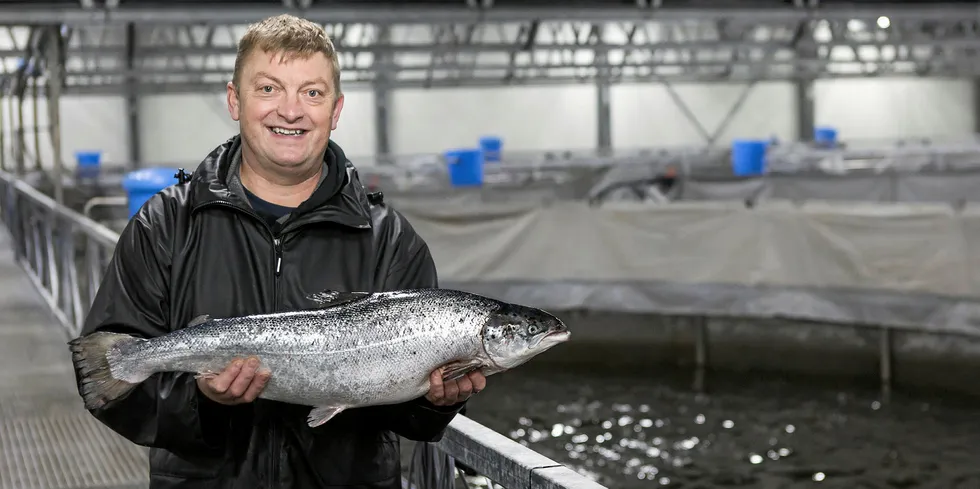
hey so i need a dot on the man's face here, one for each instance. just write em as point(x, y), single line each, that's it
point(286, 108)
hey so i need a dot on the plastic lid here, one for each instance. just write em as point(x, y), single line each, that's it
point(149, 179)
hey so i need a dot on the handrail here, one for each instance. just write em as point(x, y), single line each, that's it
point(47, 238)
point(99, 232)
point(115, 201)
point(506, 462)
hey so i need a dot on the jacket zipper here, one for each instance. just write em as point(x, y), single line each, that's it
point(277, 242)
point(274, 459)
point(275, 453)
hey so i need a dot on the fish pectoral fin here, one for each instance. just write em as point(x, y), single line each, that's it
point(330, 298)
point(203, 318)
point(322, 414)
point(456, 370)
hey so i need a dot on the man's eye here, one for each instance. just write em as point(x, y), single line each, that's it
point(267, 89)
point(314, 93)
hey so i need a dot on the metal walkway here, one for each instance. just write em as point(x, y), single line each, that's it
point(47, 440)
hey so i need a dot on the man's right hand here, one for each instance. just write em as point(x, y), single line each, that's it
point(239, 383)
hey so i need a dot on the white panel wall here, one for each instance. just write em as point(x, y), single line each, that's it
point(87, 123)
point(900, 108)
point(527, 118)
point(645, 115)
point(181, 129)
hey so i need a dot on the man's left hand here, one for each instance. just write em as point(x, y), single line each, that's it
point(454, 391)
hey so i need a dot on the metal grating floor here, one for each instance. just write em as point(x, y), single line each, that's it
point(47, 441)
point(67, 450)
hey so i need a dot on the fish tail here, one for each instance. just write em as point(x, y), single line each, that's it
point(92, 356)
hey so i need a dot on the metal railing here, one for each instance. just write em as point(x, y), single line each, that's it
point(65, 253)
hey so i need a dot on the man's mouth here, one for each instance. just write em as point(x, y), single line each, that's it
point(287, 132)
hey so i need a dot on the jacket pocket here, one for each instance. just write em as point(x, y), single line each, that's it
point(164, 463)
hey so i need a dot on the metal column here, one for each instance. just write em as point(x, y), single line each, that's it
point(55, 81)
point(132, 101)
point(382, 99)
point(805, 110)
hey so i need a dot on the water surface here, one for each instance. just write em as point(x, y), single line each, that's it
point(745, 431)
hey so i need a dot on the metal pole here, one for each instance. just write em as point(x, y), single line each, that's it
point(3, 117)
point(35, 94)
point(885, 358)
point(700, 352)
point(133, 102)
point(54, 109)
point(10, 130)
point(19, 135)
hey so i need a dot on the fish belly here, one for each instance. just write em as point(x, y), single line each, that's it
point(387, 372)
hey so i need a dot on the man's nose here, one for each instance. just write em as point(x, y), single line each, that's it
point(290, 108)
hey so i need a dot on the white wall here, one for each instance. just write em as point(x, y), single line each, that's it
point(899, 108)
point(645, 115)
point(87, 123)
point(181, 129)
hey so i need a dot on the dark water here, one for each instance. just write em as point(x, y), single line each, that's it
point(746, 431)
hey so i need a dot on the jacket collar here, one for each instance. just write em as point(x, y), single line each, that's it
point(339, 198)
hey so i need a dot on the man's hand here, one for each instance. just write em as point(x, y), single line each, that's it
point(239, 383)
point(455, 391)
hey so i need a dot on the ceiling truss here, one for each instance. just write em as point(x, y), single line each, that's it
point(151, 50)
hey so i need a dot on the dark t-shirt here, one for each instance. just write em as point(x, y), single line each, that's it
point(269, 211)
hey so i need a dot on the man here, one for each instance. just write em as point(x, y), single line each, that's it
point(270, 216)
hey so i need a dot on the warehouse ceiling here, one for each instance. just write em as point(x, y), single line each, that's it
point(189, 45)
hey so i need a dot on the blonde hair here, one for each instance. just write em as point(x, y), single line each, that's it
point(291, 36)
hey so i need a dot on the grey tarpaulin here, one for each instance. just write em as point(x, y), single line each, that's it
point(891, 186)
point(906, 265)
point(951, 186)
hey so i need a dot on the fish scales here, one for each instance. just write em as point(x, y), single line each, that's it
point(357, 349)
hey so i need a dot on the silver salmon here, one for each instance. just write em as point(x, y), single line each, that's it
point(350, 349)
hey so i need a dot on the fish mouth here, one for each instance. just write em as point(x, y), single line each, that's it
point(559, 335)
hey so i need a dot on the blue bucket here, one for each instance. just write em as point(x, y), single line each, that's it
point(749, 157)
point(88, 163)
point(825, 136)
point(140, 185)
point(465, 167)
point(491, 146)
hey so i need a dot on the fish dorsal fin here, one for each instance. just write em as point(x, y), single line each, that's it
point(203, 318)
point(330, 298)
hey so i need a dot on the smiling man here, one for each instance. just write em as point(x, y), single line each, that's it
point(270, 216)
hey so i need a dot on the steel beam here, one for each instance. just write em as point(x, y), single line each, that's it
point(177, 50)
point(489, 49)
point(32, 13)
point(204, 86)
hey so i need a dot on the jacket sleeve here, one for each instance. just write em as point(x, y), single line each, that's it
point(412, 267)
point(167, 410)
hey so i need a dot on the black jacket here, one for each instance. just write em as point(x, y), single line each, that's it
point(199, 248)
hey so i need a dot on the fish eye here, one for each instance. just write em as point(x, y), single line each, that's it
point(533, 329)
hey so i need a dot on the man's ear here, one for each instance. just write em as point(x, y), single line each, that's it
point(233, 101)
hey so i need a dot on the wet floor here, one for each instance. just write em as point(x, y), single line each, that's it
point(746, 431)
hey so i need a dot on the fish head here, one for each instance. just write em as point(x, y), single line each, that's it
point(514, 334)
